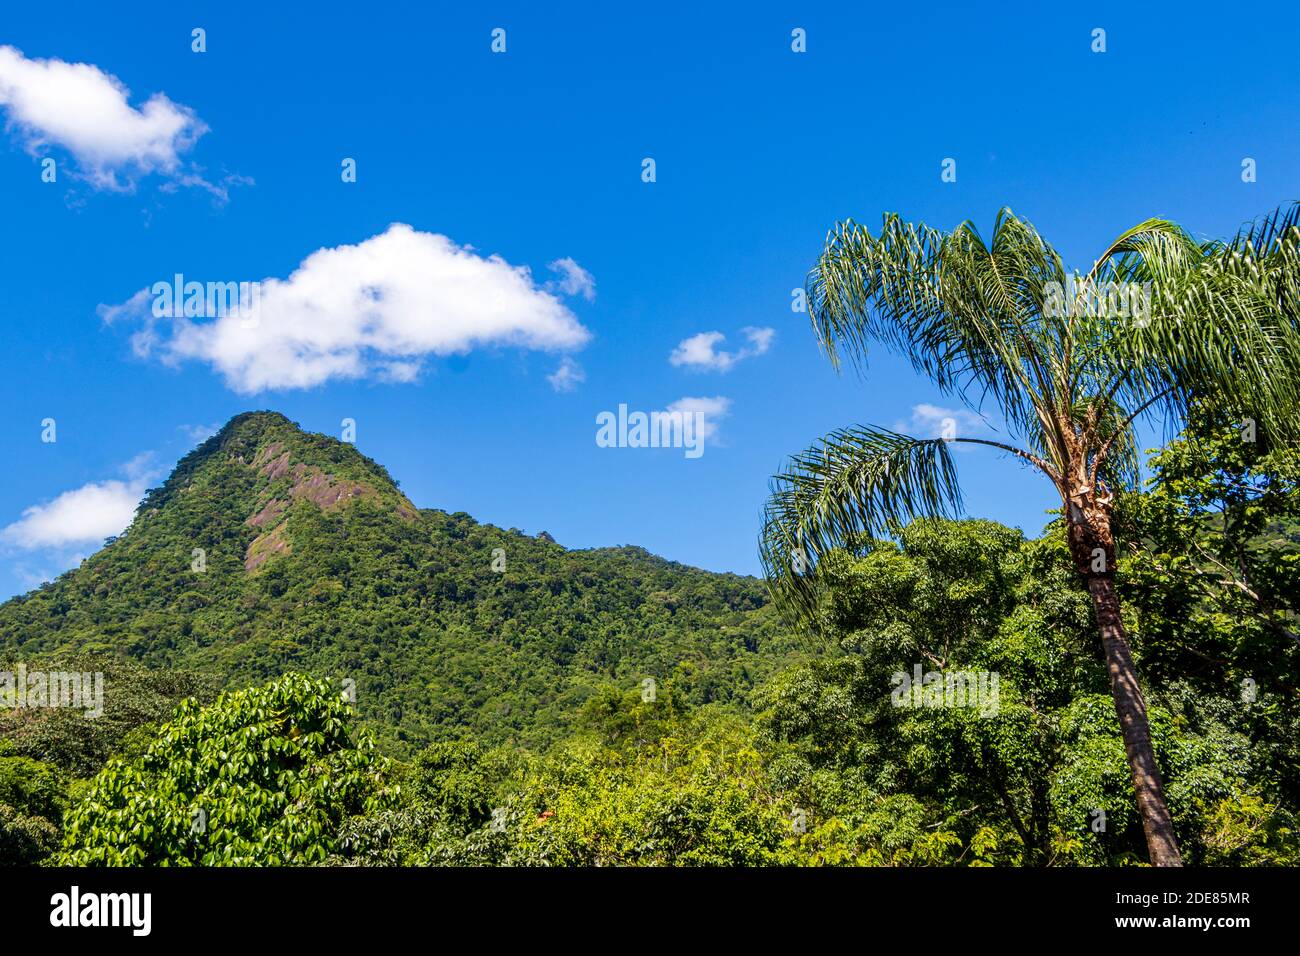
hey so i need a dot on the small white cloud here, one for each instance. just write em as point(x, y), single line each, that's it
point(199, 433)
point(713, 410)
point(138, 468)
point(33, 577)
point(398, 373)
point(568, 376)
point(760, 339)
point(85, 111)
point(87, 514)
point(935, 421)
point(374, 309)
point(575, 279)
point(701, 351)
point(84, 515)
point(136, 307)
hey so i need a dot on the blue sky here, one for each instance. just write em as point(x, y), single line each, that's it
point(534, 156)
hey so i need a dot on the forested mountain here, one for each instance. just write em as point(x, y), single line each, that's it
point(500, 716)
point(270, 549)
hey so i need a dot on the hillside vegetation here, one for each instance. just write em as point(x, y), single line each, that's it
point(269, 549)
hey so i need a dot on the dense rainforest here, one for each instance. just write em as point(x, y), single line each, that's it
point(269, 550)
point(301, 667)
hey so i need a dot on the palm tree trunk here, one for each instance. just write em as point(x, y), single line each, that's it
point(1092, 545)
point(1162, 846)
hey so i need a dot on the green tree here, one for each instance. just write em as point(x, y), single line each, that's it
point(1210, 567)
point(1041, 777)
point(1218, 535)
point(1004, 323)
point(264, 776)
point(33, 796)
point(136, 700)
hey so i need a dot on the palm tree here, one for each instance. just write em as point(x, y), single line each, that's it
point(1071, 371)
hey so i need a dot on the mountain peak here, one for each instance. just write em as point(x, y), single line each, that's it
point(260, 465)
point(272, 548)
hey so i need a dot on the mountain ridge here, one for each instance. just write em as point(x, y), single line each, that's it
point(269, 548)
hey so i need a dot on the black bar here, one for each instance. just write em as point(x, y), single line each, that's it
point(254, 906)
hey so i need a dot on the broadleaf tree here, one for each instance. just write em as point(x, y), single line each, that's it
point(263, 776)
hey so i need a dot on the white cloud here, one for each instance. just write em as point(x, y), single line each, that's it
point(568, 376)
point(59, 534)
point(377, 309)
point(713, 409)
point(760, 340)
point(576, 280)
point(86, 514)
point(34, 576)
point(139, 468)
point(80, 108)
point(199, 433)
point(700, 351)
point(935, 421)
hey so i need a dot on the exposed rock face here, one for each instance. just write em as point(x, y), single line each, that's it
point(272, 461)
point(264, 546)
point(269, 515)
point(307, 483)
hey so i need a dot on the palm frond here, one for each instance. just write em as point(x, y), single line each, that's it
point(963, 312)
point(1227, 329)
point(857, 482)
